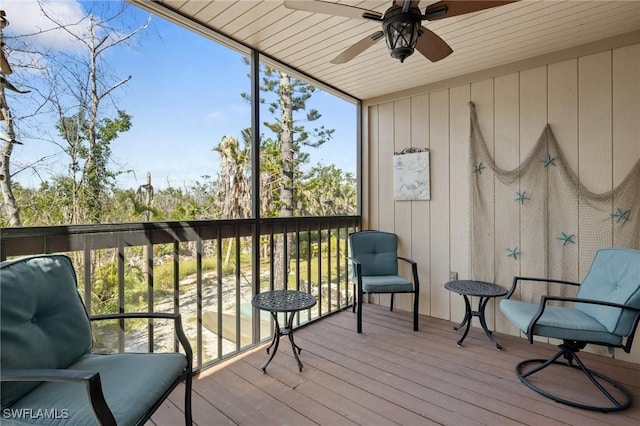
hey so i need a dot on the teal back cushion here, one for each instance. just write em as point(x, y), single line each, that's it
point(377, 251)
point(44, 323)
point(614, 276)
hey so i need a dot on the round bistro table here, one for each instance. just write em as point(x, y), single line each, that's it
point(484, 291)
point(289, 302)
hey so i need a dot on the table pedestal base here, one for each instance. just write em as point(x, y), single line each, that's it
point(469, 314)
point(284, 331)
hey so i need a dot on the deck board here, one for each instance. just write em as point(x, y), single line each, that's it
point(390, 375)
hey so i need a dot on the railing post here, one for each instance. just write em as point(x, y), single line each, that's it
point(255, 188)
point(148, 273)
point(121, 295)
point(238, 309)
point(199, 299)
point(176, 283)
point(88, 287)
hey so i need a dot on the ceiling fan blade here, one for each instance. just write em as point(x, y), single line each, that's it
point(431, 46)
point(449, 8)
point(328, 8)
point(414, 3)
point(358, 48)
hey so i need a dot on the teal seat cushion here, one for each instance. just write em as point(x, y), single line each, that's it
point(44, 323)
point(614, 276)
point(386, 284)
point(560, 322)
point(131, 383)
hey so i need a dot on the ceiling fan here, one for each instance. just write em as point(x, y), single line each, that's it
point(401, 25)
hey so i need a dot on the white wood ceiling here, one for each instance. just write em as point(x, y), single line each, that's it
point(482, 40)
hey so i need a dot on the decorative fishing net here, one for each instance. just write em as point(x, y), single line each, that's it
point(538, 219)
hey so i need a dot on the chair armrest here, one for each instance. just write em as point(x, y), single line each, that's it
point(546, 298)
point(182, 337)
point(354, 260)
point(358, 272)
point(543, 280)
point(357, 264)
point(406, 259)
point(90, 378)
point(414, 271)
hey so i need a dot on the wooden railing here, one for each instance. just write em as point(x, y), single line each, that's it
point(206, 270)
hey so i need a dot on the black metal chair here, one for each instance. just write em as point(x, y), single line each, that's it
point(605, 312)
point(374, 258)
point(46, 358)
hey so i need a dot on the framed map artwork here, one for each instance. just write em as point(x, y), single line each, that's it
point(411, 175)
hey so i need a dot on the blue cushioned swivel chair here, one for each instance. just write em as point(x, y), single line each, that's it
point(48, 372)
point(374, 258)
point(604, 312)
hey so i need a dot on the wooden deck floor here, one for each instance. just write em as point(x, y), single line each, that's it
point(390, 375)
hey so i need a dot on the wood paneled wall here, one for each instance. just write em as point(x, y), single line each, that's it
point(592, 103)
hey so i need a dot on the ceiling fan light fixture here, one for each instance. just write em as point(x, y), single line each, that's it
point(401, 31)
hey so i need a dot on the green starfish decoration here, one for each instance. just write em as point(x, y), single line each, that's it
point(513, 252)
point(566, 239)
point(478, 169)
point(522, 196)
point(549, 161)
point(621, 215)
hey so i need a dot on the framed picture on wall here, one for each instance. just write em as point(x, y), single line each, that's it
point(411, 175)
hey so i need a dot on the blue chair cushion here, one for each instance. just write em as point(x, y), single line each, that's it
point(614, 276)
point(44, 323)
point(560, 322)
point(376, 251)
point(386, 284)
point(129, 385)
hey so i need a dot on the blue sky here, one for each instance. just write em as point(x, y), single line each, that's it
point(184, 96)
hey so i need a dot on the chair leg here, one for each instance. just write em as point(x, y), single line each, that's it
point(619, 402)
point(415, 311)
point(359, 313)
point(188, 419)
point(355, 301)
point(391, 304)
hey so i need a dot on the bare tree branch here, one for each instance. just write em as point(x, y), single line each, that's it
point(112, 88)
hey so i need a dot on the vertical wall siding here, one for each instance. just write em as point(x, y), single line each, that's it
point(459, 187)
point(593, 106)
point(402, 211)
point(420, 212)
point(562, 107)
point(440, 217)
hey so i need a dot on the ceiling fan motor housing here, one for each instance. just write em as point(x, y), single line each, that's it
point(401, 30)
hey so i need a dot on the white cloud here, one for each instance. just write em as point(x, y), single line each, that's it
point(213, 116)
point(244, 108)
point(26, 17)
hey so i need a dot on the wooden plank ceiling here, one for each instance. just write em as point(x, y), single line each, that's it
point(308, 41)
